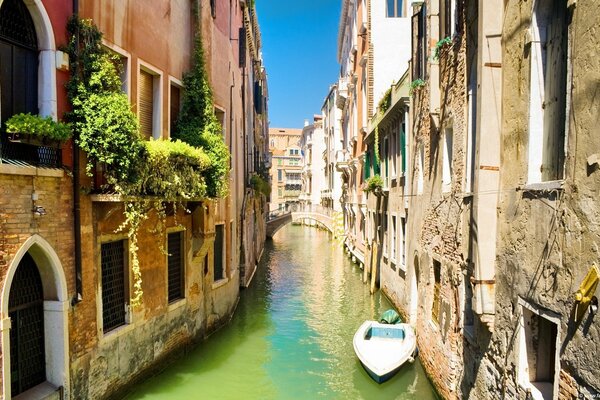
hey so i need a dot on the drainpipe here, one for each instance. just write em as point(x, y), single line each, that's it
point(76, 194)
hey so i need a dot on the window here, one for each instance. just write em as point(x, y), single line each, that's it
point(19, 76)
point(219, 249)
point(280, 175)
point(175, 107)
point(280, 192)
point(548, 91)
point(385, 154)
point(175, 267)
point(447, 160)
point(279, 161)
point(435, 307)
point(213, 8)
point(538, 353)
point(19, 55)
point(115, 284)
point(422, 49)
point(149, 103)
point(447, 8)
point(403, 239)
point(394, 9)
point(393, 239)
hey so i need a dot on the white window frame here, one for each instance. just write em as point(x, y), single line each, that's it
point(121, 52)
point(157, 96)
point(537, 92)
point(393, 228)
point(522, 366)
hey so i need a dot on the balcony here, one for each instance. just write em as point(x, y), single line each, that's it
point(26, 154)
point(326, 194)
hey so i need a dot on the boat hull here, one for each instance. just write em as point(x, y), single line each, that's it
point(383, 349)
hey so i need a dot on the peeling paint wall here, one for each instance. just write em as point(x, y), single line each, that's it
point(547, 239)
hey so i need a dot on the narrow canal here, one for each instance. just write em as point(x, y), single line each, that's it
point(291, 336)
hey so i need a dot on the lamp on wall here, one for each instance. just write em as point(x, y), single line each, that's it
point(38, 211)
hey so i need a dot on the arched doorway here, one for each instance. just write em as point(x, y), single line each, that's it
point(26, 312)
point(34, 325)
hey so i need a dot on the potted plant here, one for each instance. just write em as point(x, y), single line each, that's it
point(36, 130)
point(374, 184)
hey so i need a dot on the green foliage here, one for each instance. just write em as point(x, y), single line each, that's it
point(439, 45)
point(108, 133)
point(260, 185)
point(42, 127)
point(174, 170)
point(373, 184)
point(198, 126)
point(385, 101)
point(416, 85)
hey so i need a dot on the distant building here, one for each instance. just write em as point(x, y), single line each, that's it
point(336, 153)
point(286, 167)
point(312, 146)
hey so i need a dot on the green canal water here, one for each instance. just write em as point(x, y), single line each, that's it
point(291, 335)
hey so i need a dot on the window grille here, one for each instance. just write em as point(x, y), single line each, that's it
point(25, 309)
point(175, 266)
point(113, 285)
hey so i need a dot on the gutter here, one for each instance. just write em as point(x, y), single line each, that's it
point(78, 297)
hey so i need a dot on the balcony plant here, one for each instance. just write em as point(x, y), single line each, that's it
point(260, 185)
point(37, 130)
point(149, 175)
point(416, 85)
point(440, 45)
point(374, 184)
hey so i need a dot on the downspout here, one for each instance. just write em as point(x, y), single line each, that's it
point(76, 192)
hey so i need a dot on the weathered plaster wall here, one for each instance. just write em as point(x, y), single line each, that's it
point(547, 240)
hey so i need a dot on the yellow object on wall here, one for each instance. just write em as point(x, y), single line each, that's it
point(586, 291)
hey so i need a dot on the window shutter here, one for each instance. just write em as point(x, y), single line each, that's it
point(145, 106)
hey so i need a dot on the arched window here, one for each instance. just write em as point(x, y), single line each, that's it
point(19, 60)
point(25, 308)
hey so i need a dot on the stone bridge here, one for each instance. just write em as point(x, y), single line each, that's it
point(312, 215)
point(276, 222)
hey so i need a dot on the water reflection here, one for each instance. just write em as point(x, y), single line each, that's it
point(291, 336)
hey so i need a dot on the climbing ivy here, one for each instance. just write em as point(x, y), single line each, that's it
point(146, 173)
point(198, 126)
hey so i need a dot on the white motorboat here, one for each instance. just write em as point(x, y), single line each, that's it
point(384, 348)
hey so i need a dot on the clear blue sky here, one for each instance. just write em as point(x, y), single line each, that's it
point(299, 40)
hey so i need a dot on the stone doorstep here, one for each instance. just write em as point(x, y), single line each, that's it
point(43, 391)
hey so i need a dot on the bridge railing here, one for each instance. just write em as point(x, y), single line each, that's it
point(314, 209)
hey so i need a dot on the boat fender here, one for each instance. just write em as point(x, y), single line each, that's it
point(414, 355)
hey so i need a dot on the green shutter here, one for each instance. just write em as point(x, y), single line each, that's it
point(367, 171)
point(403, 149)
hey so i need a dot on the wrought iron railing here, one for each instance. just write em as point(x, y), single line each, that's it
point(40, 156)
